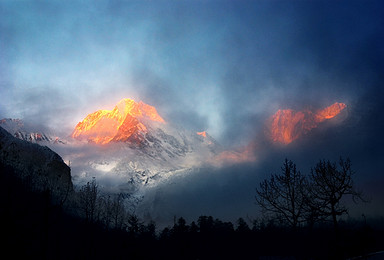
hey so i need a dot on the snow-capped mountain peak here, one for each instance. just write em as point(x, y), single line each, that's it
point(127, 122)
point(20, 130)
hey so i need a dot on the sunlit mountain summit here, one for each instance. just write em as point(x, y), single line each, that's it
point(287, 125)
point(139, 126)
point(126, 122)
point(133, 145)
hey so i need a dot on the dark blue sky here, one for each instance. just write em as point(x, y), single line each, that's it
point(207, 64)
point(220, 66)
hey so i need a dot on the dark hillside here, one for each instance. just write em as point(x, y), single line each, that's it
point(40, 219)
point(34, 228)
point(39, 166)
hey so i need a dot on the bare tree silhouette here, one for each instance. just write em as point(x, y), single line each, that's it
point(88, 196)
point(329, 184)
point(284, 195)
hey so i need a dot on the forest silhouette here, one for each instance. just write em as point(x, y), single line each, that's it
point(93, 225)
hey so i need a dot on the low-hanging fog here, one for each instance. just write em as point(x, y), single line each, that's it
point(219, 66)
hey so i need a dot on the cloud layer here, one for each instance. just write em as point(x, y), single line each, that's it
point(211, 66)
point(219, 66)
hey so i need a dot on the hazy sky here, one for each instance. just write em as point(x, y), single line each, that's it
point(210, 65)
point(220, 66)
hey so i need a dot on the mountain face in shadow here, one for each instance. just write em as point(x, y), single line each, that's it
point(38, 166)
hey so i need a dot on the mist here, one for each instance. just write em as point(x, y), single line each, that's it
point(229, 192)
point(218, 66)
point(224, 64)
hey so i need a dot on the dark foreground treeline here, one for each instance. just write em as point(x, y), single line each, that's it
point(32, 227)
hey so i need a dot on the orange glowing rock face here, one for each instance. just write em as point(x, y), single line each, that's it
point(119, 124)
point(288, 125)
point(329, 112)
point(203, 134)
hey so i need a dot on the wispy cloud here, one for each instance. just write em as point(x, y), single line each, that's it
point(219, 66)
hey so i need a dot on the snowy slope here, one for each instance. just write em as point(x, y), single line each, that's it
point(163, 152)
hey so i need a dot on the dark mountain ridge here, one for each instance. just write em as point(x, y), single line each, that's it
point(39, 166)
